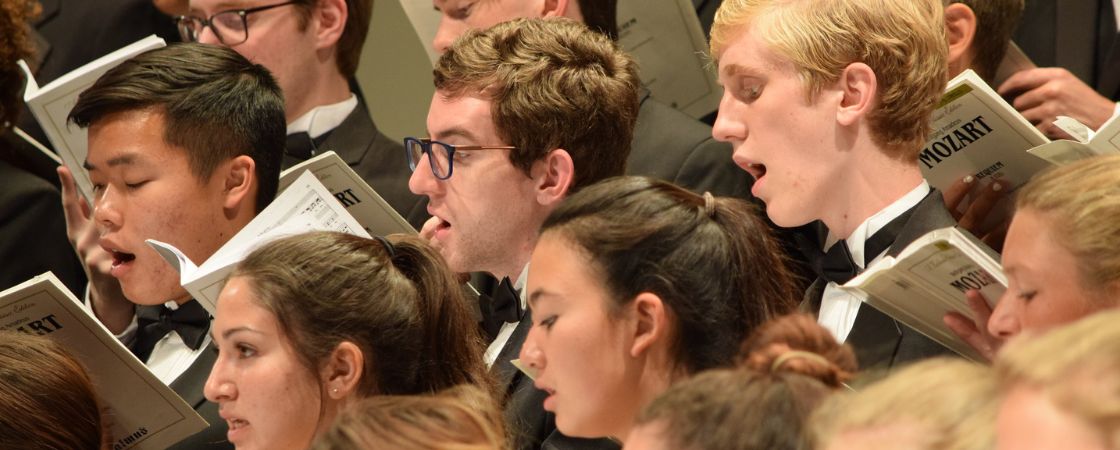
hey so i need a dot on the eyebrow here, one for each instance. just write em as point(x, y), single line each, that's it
point(226, 334)
point(736, 69)
point(125, 159)
point(455, 132)
point(537, 294)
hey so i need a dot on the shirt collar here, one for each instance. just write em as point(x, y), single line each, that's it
point(519, 285)
point(879, 220)
point(322, 119)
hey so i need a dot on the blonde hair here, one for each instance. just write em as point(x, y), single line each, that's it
point(1082, 202)
point(952, 401)
point(461, 418)
point(903, 42)
point(1076, 366)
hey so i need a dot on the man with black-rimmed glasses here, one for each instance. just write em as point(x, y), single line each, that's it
point(312, 47)
point(525, 113)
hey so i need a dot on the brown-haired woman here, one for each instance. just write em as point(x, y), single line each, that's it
point(636, 284)
point(46, 398)
point(309, 323)
point(462, 418)
point(793, 364)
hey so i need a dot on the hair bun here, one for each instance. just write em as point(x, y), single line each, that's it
point(795, 343)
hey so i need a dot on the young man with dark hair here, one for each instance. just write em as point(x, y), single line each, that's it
point(524, 114)
point(667, 144)
point(313, 47)
point(182, 149)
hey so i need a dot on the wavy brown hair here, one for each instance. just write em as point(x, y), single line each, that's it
point(553, 84)
point(399, 304)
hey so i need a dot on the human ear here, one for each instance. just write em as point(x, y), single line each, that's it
point(553, 175)
point(960, 27)
point(239, 179)
point(330, 15)
point(556, 8)
point(858, 87)
point(651, 322)
point(343, 370)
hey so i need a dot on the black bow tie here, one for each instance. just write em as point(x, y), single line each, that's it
point(190, 321)
point(504, 306)
point(836, 265)
point(302, 146)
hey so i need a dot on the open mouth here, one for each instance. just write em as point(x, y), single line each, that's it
point(120, 258)
point(236, 423)
point(756, 170)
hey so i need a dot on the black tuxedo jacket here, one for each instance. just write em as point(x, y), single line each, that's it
point(879, 341)
point(189, 386)
point(380, 161)
point(670, 145)
point(33, 231)
point(530, 426)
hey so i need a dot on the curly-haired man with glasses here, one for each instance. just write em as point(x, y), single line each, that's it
point(525, 113)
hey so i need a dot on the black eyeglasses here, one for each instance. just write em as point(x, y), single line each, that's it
point(441, 156)
point(231, 27)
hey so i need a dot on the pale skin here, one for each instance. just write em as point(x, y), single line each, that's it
point(485, 217)
point(812, 159)
point(304, 62)
point(1045, 289)
point(270, 399)
point(599, 369)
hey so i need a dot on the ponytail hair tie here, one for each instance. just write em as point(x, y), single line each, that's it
point(795, 354)
point(388, 246)
point(709, 204)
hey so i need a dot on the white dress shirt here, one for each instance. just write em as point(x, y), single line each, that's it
point(506, 331)
point(170, 357)
point(322, 119)
point(839, 308)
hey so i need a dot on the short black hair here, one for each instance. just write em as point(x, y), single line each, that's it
point(216, 104)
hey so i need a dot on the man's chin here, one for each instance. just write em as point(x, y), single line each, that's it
point(150, 295)
point(784, 218)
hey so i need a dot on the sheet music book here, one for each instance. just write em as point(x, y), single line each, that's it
point(51, 105)
point(928, 279)
point(143, 412)
point(305, 205)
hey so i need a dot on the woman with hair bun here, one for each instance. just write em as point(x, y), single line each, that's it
point(636, 284)
point(310, 323)
point(792, 366)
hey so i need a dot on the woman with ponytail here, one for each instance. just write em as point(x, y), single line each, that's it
point(636, 284)
point(310, 323)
